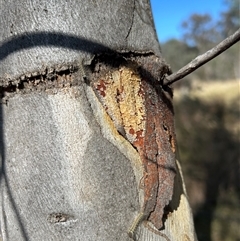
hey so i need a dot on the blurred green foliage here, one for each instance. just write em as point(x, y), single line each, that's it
point(207, 127)
point(201, 33)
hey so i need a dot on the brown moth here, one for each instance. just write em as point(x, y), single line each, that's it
point(130, 91)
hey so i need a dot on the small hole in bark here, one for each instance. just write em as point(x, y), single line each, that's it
point(165, 127)
point(58, 217)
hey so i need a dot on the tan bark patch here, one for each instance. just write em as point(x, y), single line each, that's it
point(142, 112)
point(122, 96)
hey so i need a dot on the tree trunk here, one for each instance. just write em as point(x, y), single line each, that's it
point(87, 138)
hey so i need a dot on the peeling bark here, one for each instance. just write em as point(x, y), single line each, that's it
point(134, 99)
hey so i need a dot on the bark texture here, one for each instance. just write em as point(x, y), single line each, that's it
point(67, 171)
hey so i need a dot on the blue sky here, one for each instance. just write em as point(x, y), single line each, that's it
point(169, 14)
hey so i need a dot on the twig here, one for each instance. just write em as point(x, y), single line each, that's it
point(202, 59)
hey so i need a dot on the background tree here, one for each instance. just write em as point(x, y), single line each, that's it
point(200, 33)
point(229, 21)
point(185, 54)
point(207, 125)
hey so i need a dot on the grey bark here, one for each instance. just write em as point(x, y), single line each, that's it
point(65, 174)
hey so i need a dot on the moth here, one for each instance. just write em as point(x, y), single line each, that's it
point(141, 110)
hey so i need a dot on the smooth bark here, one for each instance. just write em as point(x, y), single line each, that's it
point(66, 173)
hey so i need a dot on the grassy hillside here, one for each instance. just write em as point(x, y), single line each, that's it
point(208, 126)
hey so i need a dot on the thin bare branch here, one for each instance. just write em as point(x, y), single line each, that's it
point(202, 59)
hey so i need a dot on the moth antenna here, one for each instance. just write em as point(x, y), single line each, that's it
point(135, 224)
point(82, 69)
